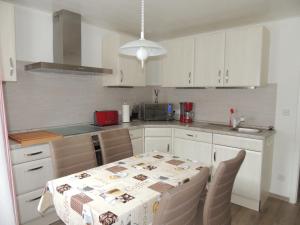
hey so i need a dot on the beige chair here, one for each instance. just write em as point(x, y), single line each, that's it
point(115, 145)
point(216, 209)
point(72, 155)
point(179, 206)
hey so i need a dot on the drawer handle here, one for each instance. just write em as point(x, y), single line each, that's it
point(168, 148)
point(190, 135)
point(37, 168)
point(215, 156)
point(34, 199)
point(32, 154)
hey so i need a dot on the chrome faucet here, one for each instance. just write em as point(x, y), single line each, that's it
point(236, 121)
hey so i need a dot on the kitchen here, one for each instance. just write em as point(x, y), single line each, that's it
point(39, 101)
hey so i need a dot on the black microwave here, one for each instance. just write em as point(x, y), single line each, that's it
point(156, 112)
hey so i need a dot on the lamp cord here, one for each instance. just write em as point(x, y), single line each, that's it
point(142, 19)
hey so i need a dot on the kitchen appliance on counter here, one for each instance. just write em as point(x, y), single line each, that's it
point(106, 118)
point(156, 112)
point(125, 113)
point(186, 112)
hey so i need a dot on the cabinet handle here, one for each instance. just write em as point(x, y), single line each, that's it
point(219, 73)
point(168, 148)
point(227, 76)
point(122, 76)
point(37, 168)
point(190, 76)
point(215, 156)
point(12, 67)
point(190, 135)
point(34, 199)
point(33, 154)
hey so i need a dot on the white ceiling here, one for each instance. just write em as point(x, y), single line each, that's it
point(170, 18)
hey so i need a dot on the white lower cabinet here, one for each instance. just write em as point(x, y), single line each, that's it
point(158, 139)
point(193, 150)
point(28, 204)
point(38, 172)
point(247, 182)
point(137, 140)
point(138, 146)
point(161, 144)
point(252, 184)
point(32, 167)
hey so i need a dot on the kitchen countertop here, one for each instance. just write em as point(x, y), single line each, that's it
point(197, 126)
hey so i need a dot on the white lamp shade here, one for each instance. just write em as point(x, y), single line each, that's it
point(152, 48)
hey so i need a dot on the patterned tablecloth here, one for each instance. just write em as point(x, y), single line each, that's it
point(125, 192)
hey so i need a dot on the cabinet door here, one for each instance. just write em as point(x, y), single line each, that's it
point(131, 71)
point(243, 56)
point(137, 145)
point(127, 70)
point(178, 64)
point(32, 175)
point(209, 60)
point(110, 59)
point(247, 183)
point(193, 150)
point(162, 144)
point(7, 42)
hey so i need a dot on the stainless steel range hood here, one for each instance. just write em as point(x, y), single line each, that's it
point(66, 48)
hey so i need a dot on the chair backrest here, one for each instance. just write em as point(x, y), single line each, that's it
point(179, 205)
point(72, 155)
point(115, 145)
point(217, 203)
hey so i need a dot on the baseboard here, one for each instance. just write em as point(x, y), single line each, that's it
point(280, 197)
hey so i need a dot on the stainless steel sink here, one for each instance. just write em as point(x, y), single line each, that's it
point(247, 130)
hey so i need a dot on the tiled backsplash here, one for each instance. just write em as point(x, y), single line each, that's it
point(257, 106)
point(42, 100)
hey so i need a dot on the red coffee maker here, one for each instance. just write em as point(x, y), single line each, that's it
point(186, 112)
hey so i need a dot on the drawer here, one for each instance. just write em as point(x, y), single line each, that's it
point(31, 153)
point(238, 142)
point(28, 204)
point(158, 132)
point(32, 175)
point(193, 135)
point(136, 133)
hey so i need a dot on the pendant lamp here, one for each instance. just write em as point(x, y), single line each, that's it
point(142, 48)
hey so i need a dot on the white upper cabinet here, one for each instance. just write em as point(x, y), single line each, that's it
point(233, 58)
point(127, 70)
point(246, 57)
point(7, 42)
point(178, 64)
point(209, 60)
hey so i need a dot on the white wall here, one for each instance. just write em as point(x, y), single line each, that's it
point(284, 69)
point(34, 38)
point(34, 35)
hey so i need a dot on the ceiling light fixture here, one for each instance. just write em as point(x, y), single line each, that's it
point(142, 48)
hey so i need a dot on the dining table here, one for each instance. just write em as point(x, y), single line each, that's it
point(125, 192)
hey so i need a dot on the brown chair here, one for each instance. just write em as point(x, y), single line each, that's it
point(179, 206)
point(115, 145)
point(216, 209)
point(72, 155)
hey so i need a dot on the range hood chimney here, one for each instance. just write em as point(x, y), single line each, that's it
point(66, 48)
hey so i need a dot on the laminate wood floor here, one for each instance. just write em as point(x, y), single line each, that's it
point(274, 212)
